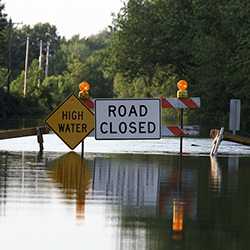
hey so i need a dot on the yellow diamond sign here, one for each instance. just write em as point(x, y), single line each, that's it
point(72, 121)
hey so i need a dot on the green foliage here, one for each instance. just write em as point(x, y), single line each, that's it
point(94, 72)
point(85, 60)
point(34, 77)
point(99, 41)
point(53, 91)
point(76, 71)
point(131, 49)
point(3, 77)
point(204, 42)
point(40, 31)
point(75, 49)
point(160, 85)
point(71, 61)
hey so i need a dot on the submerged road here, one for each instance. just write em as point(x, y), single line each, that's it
point(193, 146)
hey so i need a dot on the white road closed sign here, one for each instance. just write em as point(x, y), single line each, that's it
point(127, 119)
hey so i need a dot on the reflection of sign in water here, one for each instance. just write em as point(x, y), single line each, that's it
point(127, 119)
point(134, 186)
point(71, 121)
point(74, 176)
point(178, 219)
point(178, 214)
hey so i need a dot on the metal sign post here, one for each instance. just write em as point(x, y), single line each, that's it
point(181, 126)
point(182, 94)
point(83, 95)
point(82, 153)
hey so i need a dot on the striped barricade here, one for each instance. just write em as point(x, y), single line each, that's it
point(89, 103)
point(176, 131)
point(181, 103)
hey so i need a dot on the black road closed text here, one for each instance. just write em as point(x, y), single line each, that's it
point(128, 128)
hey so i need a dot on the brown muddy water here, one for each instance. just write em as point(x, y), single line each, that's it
point(59, 201)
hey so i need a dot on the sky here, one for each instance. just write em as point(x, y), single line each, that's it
point(71, 17)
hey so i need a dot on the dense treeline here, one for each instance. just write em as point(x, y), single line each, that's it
point(70, 62)
point(150, 45)
point(206, 42)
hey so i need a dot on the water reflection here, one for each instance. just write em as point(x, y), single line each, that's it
point(178, 206)
point(233, 170)
point(178, 216)
point(215, 174)
point(135, 187)
point(74, 177)
point(124, 202)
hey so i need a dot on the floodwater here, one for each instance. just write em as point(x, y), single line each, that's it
point(193, 146)
point(123, 201)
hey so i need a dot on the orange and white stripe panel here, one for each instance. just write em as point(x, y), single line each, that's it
point(177, 103)
point(169, 131)
point(181, 103)
point(89, 103)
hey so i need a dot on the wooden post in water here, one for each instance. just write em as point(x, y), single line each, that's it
point(216, 142)
point(40, 139)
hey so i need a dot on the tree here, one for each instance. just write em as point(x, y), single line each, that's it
point(161, 84)
point(53, 91)
point(94, 72)
point(85, 59)
point(40, 31)
point(132, 51)
point(78, 49)
point(205, 42)
point(147, 36)
point(34, 75)
point(3, 35)
point(99, 41)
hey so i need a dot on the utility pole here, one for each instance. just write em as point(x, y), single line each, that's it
point(26, 68)
point(41, 54)
point(47, 60)
point(40, 61)
point(9, 56)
